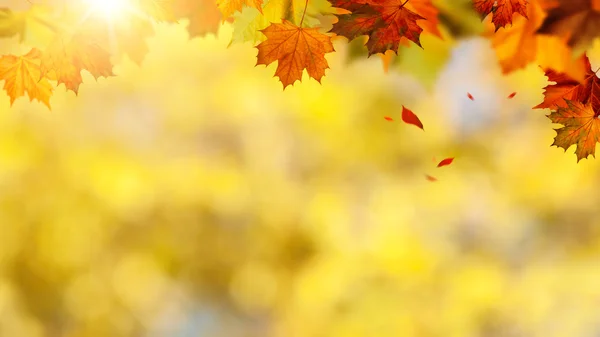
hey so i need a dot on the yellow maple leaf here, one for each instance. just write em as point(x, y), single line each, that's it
point(67, 59)
point(22, 74)
point(160, 10)
point(295, 48)
point(228, 7)
point(248, 24)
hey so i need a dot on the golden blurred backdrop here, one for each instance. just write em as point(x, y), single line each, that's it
point(192, 196)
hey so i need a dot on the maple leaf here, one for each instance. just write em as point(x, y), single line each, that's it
point(248, 24)
point(228, 7)
point(67, 60)
point(519, 45)
point(581, 127)
point(121, 36)
point(385, 22)
point(203, 15)
point(160, 10)
point(33, 26)
point(22, 74)
point(577, 21)
point(502, 10)
point(295, 48)
point(567, 88)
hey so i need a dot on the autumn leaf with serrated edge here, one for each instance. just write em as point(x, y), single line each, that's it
point(581, 127)
point(295, 49)
point(228, 7)
point(66, 60)
point(22, 74)
point(567, 88)
point(203, 15)
point(385, 22)
point(502, 10)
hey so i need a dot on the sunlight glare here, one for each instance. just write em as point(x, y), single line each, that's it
point(109, 8)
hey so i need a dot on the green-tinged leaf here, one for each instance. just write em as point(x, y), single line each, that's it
point(249, 22)
point(34, 25)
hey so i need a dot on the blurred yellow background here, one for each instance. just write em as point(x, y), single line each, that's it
point(192, 196)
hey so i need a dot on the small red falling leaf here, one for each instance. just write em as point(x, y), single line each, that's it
point(430, 178)
point(512, 95)
point(445, 162)
point(470, 96)
point(409, 117)
point(387, 118)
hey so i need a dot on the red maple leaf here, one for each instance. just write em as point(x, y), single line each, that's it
point(567, 88)
point(502, 10)
point(385, 22)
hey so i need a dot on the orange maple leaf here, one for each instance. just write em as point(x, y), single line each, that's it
point(295, 48)
point(385, 22)
point(203, 15)
point(502, 10)
point(519, 45)
point(22, 74)
point(581, 127)
point(567, 88)
point(66, 60)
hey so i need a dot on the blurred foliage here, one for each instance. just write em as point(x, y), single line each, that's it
point(191, 196)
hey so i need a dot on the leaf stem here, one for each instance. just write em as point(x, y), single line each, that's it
point(304, 13)
point(405, 2)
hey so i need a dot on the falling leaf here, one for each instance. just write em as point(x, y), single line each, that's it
point(567, 88)
point(409, 117)
point(470, 96)
point(581, 127)
point(385, 22)
point(22, 74)
point(66, 59)
point(388, 118)
point(512, 95)
point(295, 49)
point(445, 162)
point(502, 10)
point(430, 178)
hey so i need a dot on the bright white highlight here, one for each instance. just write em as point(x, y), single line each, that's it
point(109, 8)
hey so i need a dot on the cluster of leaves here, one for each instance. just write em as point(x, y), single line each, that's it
point(291, 33)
